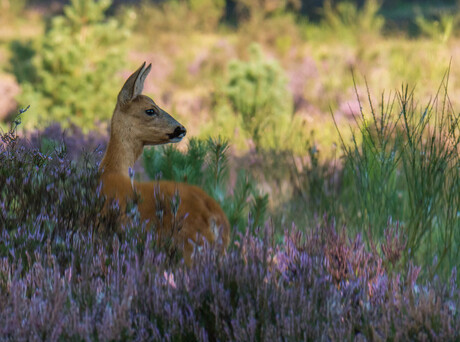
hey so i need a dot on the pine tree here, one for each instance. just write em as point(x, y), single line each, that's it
point(257, 91)
point(75, 67)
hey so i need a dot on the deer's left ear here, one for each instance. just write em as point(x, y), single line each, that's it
point(139, 84)
point(134, 85)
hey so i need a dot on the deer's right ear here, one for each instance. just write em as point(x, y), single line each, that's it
point(133, 85)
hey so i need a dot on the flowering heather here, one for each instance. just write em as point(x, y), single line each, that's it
point(69, 273)
point(72, 138)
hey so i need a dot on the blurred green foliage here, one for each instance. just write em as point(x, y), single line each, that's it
point(68, 74)
point(345, 20)
point(257, 91)
point(11, 8)
point(439, 28)
point(255, 10)
point(181, 16)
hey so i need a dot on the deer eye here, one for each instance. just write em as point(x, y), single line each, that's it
point(150, 112)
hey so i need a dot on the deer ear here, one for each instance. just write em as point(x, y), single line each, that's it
point(134, 85)
point(139, 84)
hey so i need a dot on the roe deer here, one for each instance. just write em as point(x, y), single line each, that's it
point(136, 122)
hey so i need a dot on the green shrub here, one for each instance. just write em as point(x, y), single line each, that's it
point(403, 166)
point(74, 65)
point(400, 170)
point(205, 164)
point(439, 29)
point(257, 91)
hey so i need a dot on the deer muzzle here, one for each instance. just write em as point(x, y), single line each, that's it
point(178, 134)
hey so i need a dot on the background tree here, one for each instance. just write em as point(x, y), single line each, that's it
point(72, 68)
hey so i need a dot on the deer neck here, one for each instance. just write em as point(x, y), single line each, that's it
point(121, 154)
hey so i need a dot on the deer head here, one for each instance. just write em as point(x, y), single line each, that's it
point(137, 122)
point(138, 114)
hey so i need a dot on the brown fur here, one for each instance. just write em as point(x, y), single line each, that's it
point(131, 130)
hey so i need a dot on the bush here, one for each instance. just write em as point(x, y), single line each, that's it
point(75, 65)
point(257, 92)
point(205, 163)
point(400, 167)
point(45, 196)
point(318, 286)
point(439, 29)
point(406, 169)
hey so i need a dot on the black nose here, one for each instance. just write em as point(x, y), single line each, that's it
point(179, 132)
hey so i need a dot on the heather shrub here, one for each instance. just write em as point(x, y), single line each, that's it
point(45, 197)
point(72, 140)
point(68, 272)
point(72, 68)
point(205, 163)
point(314, 286)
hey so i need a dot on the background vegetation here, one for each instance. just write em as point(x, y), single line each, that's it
point(303, 116)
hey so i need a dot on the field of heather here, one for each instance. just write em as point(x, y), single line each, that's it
point(327, 131)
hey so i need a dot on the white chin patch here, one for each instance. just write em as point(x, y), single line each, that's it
point(177, 139)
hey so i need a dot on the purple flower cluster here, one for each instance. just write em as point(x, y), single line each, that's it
point(74, 140)
point(68, 272)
